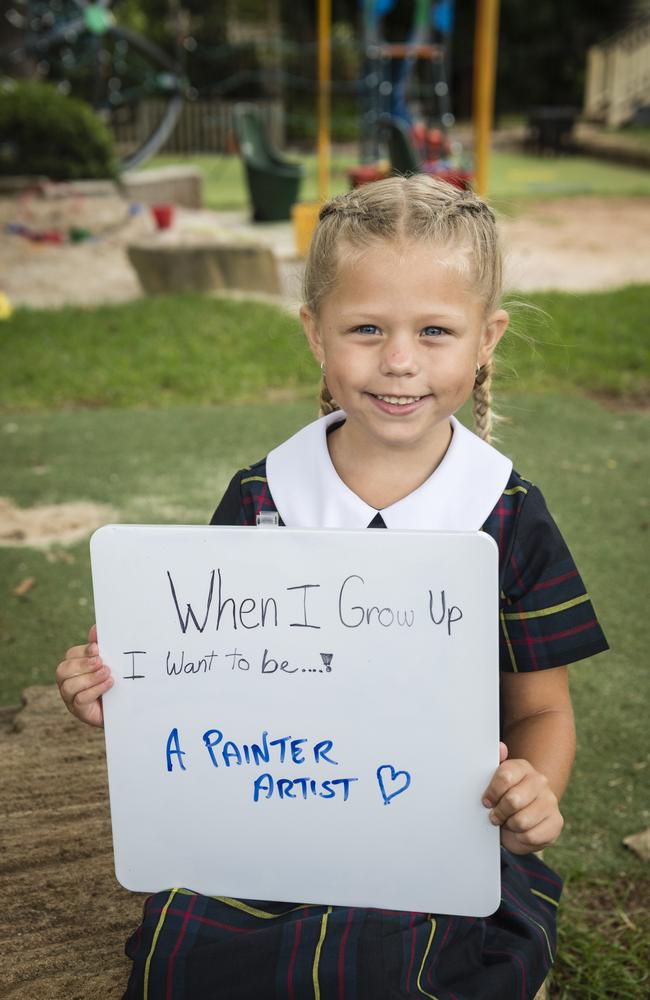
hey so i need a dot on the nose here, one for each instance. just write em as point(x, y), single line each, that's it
point(399, 356)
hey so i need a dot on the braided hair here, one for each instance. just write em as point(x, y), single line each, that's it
point(399, 210)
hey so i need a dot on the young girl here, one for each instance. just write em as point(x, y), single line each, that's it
point(401, 310)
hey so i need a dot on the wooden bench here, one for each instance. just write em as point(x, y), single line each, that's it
point(181, 185)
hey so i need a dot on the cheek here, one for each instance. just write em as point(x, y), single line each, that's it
point(462, 388)
point(337, 376)
point(345, 365)
point(456, 375)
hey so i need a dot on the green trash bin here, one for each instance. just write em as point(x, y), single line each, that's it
point(273, 182)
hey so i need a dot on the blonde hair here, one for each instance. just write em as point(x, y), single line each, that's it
point(402, 210)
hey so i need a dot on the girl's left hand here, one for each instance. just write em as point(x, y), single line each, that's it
point(523, 804)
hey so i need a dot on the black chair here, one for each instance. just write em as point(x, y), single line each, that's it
point(273, 181)
point(550, 128)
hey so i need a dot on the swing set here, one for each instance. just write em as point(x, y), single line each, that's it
point(389, 67)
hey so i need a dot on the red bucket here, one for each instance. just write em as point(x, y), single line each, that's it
point(163, 214)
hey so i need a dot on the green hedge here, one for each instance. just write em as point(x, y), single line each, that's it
point(45, 133)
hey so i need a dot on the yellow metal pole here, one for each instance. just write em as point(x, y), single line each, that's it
point(485, 61)
point(324, 89)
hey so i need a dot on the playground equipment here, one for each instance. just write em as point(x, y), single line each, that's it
point(80, 47)
point(404, 158)
point(389, 67)
point(417, 138)
point(485, 62)
point(273, 181)
point(305, 214)
point(386, 101)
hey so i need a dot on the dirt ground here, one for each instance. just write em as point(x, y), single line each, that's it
point(578, 245)
point(39, 527)
point(574, 244)
point(64, 918)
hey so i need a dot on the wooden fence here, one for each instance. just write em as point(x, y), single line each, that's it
point(203, 126)
point(618, 76)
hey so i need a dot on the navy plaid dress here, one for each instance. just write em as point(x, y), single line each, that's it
point(193, 947)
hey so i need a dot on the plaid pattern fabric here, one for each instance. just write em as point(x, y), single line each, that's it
point(546, 617)
point(191, 947)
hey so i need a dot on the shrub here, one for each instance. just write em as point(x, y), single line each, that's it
point(44, 132)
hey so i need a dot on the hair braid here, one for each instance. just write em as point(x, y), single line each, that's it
point(482, 402)
point(327, 403)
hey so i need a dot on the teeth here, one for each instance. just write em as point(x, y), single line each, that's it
point(400, 400)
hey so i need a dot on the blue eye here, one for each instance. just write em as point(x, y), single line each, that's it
point(363, 327)
point(437, 331)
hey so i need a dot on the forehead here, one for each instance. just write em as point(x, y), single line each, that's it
point(412, 276)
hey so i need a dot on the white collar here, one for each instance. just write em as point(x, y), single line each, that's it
point(458, 496)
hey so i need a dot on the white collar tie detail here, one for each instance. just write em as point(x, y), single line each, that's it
point(458, 496)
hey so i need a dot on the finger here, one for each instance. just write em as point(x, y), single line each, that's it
point(532, 815)
point(75, 652)
point(519, 797)
point(503, 753)
point(90, 649)
point(509, 773)
point(541, 836)
point(71, 686)
point(92, 633)
point(79, 691)
point(77, 666)
point(89, 696)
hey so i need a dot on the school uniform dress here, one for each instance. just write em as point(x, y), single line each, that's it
point(191, 946)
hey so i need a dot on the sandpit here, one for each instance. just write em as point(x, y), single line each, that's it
point(571, 244)
point(39, 527)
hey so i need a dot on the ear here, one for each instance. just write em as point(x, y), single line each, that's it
point(494, 329)
point(312, 333)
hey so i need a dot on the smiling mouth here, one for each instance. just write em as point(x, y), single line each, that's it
point(397, 400)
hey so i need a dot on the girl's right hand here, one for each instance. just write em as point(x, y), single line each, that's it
point(83, 678)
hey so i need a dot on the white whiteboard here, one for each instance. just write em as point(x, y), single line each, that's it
point(370, 660)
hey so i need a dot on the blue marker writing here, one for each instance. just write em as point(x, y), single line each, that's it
point(386, 781)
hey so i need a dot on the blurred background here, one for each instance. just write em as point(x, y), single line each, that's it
point(161, 169)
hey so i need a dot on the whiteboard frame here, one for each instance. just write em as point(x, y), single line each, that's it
point(424, 856)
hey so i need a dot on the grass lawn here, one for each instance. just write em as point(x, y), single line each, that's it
point(194, 349)
point(150, 407)
point(515, 178)
point(634, 135)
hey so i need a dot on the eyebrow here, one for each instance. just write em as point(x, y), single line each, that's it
point(358, 315)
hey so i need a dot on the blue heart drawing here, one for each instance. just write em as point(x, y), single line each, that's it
point(385, 781)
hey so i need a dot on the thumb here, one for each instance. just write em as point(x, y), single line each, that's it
point(503, 752)
point(92, 634)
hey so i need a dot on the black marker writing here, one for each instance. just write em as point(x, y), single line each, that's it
point(231, 610)
point(355, 615)
point(202, 665)
point(184, 622)
point(238, 660)
point(134, 652)
point(452, 614)
point(304, 587)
